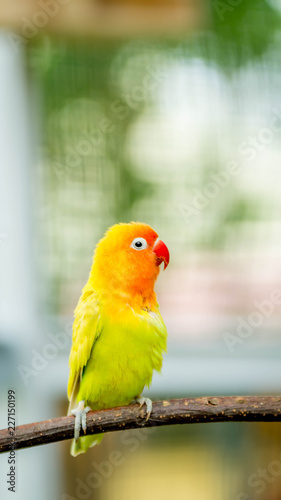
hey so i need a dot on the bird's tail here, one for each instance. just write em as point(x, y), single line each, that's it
point(82, 444)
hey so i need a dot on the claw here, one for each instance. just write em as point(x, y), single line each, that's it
point(84, 418)
point(80, 414)
point(148, 404)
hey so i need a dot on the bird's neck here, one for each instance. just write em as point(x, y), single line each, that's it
point(138, 293)
point(120, 297)
point(144, 301)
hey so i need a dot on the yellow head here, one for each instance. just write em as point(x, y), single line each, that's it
point(127, 259)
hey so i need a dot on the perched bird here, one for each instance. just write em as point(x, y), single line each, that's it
point(119, 335)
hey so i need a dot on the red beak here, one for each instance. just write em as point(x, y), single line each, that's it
point(161, 252)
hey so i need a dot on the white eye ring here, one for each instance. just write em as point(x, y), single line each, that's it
point(139, 244)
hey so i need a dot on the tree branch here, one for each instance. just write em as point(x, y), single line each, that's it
point(175, 411)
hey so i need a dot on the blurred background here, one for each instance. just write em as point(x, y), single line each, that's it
point(167, 112)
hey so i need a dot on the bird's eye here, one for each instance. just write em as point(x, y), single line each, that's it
point(139, 244)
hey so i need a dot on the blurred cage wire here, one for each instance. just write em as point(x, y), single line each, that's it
point(92, 98)
point(143, 129)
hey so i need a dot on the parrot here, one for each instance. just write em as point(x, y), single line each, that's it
point(119, 336)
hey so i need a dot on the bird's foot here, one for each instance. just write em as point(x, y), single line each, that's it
point(80, 414)
point(148, 404)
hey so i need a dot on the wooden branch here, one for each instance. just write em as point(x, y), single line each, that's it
point(175, 411)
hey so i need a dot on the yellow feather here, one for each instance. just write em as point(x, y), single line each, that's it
point(85, 331)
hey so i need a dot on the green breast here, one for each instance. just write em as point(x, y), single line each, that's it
point(123, 359)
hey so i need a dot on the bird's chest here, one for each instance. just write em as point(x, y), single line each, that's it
point(130, 347)
point(123, 358)
point(129, 344)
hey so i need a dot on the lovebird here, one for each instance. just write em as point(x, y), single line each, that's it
point(119, 336)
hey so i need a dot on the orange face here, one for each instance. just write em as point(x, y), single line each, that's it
point(128, 258)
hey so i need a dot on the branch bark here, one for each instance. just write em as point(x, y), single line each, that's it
point(176, 411)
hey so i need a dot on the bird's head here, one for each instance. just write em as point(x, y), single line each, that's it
point(128, 257)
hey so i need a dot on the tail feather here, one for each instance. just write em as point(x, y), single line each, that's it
point(82, 444)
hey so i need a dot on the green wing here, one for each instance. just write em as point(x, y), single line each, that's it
point(86, 330)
